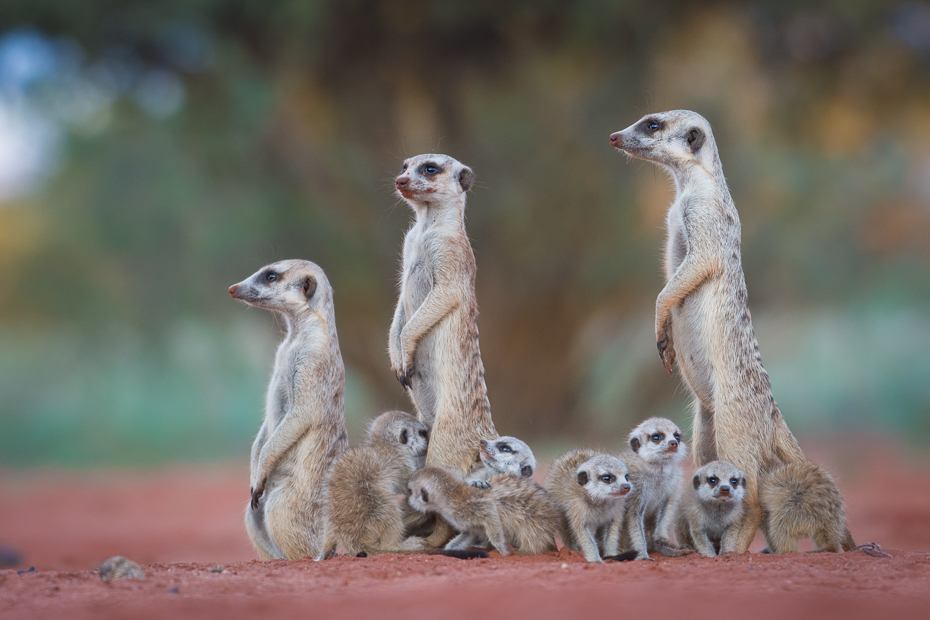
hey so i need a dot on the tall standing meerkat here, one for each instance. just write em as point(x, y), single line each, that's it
point(707, 514)
point(702, 314)
point(589, 488)
point(433, 341)
point(504, 455)
point(304, 429)
point(515, 512)
point(362, 512)
point(654, 460)
point(801, 500)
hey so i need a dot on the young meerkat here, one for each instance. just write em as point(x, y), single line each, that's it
point(304, 429)
point(801, 500)
point(707, 514)
point(362, 512)
point(504, 455)
point(433, 342)
point(654, 461)
point(589, 488)
point(515, 511)
point(702, 314)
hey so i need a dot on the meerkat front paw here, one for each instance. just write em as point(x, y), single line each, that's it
point(665, 346)
point(257, 491)
point(479, 484)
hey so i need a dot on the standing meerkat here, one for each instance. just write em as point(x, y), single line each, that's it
point(504, 455)
point(588, 487)
point(801, 500)
point(362, 512)
point(707, 514)
point(433, 341)
point(305, 423)
point(702, 314)
point(515, 511)
point(654, 461)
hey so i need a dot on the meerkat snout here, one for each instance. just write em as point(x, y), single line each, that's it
point(233, 289)
point(616, 139)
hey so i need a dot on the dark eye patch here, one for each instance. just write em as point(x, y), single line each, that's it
point(430, 169)
point(651, 126)
point(504, 448)
point(270, 276)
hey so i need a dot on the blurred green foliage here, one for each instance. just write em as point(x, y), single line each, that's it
point(228, 134)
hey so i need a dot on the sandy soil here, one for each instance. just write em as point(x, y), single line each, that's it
point(181, 522)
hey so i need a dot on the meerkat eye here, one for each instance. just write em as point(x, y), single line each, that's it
point(653, 126)
point(712, 481)
point(608, 478)
point(430, 169)
point(504, 448)
point(423, 434)
point(656, 437)
point(678, 436)
point(734, 482)
point(270, 276)
point(627, 477)
point(404, 169)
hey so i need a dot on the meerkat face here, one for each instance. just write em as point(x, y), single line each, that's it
point(288, 286)
point(604, 478)
point(658, 440)
point(508, 455)
point(719, 482)
point(668, 138)
point(402, 429)
point(427, 179)
point(426, 490)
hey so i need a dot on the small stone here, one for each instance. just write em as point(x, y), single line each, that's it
point(216, 569)
point(564, 565)
point(119, 567)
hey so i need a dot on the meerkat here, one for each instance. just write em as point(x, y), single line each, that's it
point(589, 489)
point(801, 500)
point(654, 461)
point(362, 512)
point(304, 429)
point(707, 514)
point(515, 511)
point(504, 455)
point(433, 341)
point(702, 314)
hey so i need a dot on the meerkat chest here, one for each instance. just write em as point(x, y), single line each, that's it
point(676, 247)
point(418, 268)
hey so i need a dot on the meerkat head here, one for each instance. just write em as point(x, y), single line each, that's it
point(508, 455)
point(433, 179)
point(604, 478)
point(718, 482)
point(292, 287)
point(672, 139)
point(429, 487)
point(402, 429)
point(658, 440)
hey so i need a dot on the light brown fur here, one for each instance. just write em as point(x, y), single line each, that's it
point(433, 341)
point(589, 488)
point(515, 511)
point(702, 314)
point(362, 511)
point(304, 429)
point(709, 508)
point(801, 500)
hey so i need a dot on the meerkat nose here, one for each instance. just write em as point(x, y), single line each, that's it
point(724, 490)
point(233, 289)
point(625, 486)
point(401, 183)
point(673, 444)
point(484, 443)
point(616, 139)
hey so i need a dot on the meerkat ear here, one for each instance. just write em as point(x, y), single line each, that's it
point(696, 481)
point(466, 178)
point(526, 471)
point(695, 139)
point(582, 478)
point(424, 496)
point(403, 437)
point(635, 443)
point(308, 285)
point(742, 481)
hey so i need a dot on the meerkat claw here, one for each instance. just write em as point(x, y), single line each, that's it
point(256, 495)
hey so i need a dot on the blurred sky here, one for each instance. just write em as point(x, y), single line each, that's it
point(151, 154)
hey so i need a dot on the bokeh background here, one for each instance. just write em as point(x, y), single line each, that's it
point(153, 153)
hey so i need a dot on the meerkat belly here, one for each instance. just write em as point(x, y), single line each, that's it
point(693, 323)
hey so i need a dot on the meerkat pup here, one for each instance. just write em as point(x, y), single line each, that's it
point(588, 487)
point(305, 425)
point(504, 455)
point(362, 512)
point(801, 500)
point(707, 514)
point(515, 511)
point(433, 341)
point(702, 314)
point(654, 461)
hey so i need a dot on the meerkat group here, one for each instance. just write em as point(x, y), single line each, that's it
point(442, 480)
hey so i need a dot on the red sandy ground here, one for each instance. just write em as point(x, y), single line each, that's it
point(179, 523)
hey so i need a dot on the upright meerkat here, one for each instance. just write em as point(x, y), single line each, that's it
point(588, 487)
point(433, 341)
point(362, 512)
point(504, 455)
point(702, 314)
point(515, 511)
point(654, 461)
point(305, 425)
point(707, 514)
point(801, 500)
